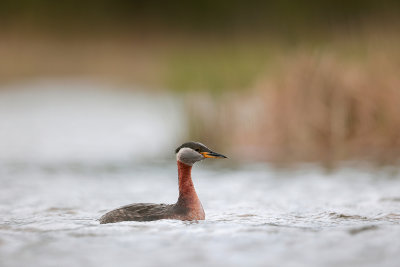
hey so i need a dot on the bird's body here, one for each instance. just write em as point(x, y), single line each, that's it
point(138, 212)
point(188, 206)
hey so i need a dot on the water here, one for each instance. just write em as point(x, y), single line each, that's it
point(74, 120)
point(255, 215)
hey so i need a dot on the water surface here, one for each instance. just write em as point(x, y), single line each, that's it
point(254, 216)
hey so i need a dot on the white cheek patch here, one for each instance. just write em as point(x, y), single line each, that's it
point(183, 153)
point(188, 156)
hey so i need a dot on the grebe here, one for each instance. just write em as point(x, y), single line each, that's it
point(188, 207)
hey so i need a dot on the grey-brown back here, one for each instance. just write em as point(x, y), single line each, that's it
point(138, 212)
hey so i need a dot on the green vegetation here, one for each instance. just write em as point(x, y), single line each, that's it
point(216, 68)
point(225, 16)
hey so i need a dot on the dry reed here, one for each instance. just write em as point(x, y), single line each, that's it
point(316, 108)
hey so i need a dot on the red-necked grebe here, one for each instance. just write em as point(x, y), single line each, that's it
point(188, 206)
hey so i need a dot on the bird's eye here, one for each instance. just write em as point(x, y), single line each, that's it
point(198, 150)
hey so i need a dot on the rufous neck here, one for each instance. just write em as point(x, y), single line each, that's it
point(187, 193)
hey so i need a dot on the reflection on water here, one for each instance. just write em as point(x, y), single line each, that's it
point(255, 216)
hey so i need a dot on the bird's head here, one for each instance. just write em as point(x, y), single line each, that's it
point(191, 152)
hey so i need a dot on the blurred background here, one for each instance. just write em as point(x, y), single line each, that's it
point(276, 81)
point(302, 96)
